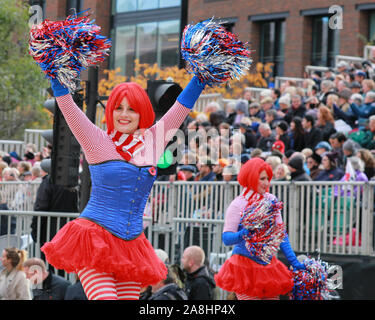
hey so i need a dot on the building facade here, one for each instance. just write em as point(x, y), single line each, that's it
point(291, 34)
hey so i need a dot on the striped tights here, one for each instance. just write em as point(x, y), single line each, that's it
point(104, 286)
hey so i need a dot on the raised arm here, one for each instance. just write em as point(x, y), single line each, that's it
point(87, 133)
point(164, 130)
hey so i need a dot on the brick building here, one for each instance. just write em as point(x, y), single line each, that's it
point(290, 33)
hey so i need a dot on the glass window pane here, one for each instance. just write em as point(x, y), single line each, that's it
point(168, 44)
point(126, 5)
point(169, 3)
point(125, 49)
point(146, 42)
point(325, 42)
point(147, 4)
point(371, 29)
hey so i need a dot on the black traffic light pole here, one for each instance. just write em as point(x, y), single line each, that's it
point(91, 102)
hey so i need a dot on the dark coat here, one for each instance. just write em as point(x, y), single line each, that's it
point(53, 198)
point(170, 291)
point(200, 285)
point(54, 288)
point(334, 174)
point(75, 292)
point(312, 138)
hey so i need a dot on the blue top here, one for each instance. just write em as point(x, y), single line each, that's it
point(118, 197)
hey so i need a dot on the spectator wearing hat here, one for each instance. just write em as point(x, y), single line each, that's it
point(313, 164)
point(230, 173)
point(278, 145)
point(355, 87)
point(282, 133)
point(297, 109)
point(312, 134)
point(344, 96)
point(297, 172)
point(330, 171)
point(267, 103)
point(189, 171)
point(342, 67)
point(322, 147)
point(205, 172)
point(256, 113)
point(218, 168)
point(359, 76)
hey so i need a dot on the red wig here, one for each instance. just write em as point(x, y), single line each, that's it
point(248, 177)
point(137, 99)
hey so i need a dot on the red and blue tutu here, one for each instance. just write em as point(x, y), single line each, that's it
point(82, 243)
point(242, 275)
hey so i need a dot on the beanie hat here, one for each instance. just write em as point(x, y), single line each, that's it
point(278, 145)
point(296, 162)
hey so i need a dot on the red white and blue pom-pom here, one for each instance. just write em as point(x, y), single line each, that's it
point(266, 234)
point(64, 48)
point(213, 54)
point(312, 283)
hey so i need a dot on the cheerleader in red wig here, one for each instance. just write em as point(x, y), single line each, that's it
point(253, 224)
point(106, 245)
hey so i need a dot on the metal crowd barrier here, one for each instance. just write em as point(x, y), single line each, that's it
point(332, 217)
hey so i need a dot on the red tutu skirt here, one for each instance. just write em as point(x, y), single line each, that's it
point(84, 244)
point(244, 276)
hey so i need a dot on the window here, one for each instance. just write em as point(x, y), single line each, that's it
point(325, 42)
point(272, 38)
point(371, 27)
point(149, 42)
point(138, 5)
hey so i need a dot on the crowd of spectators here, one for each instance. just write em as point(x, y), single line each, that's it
point(306, 131)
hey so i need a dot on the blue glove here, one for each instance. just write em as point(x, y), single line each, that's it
point(58, 89)
point(191, 93)
point(286, 248)
point(230, 238)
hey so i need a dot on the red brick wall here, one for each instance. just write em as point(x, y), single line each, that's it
point(297, 50)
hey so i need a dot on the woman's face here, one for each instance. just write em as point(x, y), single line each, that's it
point(125, 119)
point(4, 260)
point(264, 183)
point(325, 162)
point(311, 163)
point(279, 172)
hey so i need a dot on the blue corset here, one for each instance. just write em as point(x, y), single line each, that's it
point(118, 197)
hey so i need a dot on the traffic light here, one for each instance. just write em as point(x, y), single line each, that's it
point(65, 156)
point(163, 95)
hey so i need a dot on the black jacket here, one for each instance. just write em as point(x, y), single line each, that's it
point(171, 291)
point(312, 138)
point(200, 285)
point(75, 292)
point(53, 198)
point(54, 288)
